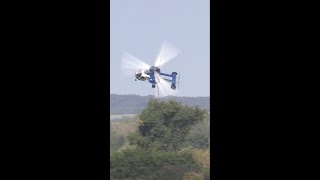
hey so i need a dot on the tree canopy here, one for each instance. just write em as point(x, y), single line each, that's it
point(165, 125)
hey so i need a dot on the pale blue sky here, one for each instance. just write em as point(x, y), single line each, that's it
point(140, 26)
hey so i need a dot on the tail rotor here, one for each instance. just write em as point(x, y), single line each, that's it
point(178, 82)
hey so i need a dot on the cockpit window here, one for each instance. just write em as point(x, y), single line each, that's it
point(138, 75)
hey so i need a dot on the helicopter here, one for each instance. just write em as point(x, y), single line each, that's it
point(164, 83)
point(150, 75)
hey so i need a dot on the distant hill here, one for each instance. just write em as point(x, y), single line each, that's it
point(134, 104)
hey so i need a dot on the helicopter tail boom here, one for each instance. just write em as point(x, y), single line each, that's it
point(173, 81)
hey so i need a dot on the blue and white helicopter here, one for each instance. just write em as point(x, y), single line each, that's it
point(144, 72)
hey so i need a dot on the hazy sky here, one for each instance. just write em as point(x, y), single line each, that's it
point(140, 26)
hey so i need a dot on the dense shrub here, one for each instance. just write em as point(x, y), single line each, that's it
point(116, 140)
point(199, 136)
point(141, 164)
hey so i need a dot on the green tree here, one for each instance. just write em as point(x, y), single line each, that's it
point(155, 165)
point(199, 136)
point(164, 125)
point(116, 140)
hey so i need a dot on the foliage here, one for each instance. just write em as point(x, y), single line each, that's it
point(119, 131)
point(193, 176)
point(202, 157)
point(124, 127)
point(199, 136)
point(161, 144)
point(140, 164)
point(116, 140)
point(164, 125)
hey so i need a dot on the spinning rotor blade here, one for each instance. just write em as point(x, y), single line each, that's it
point(164, 87)
point(131, 64)
point(166, 53)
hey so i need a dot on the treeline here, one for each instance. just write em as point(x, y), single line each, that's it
point(134, 104)
point(168, 140)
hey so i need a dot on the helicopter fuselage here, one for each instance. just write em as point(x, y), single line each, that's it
point(142, 75)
